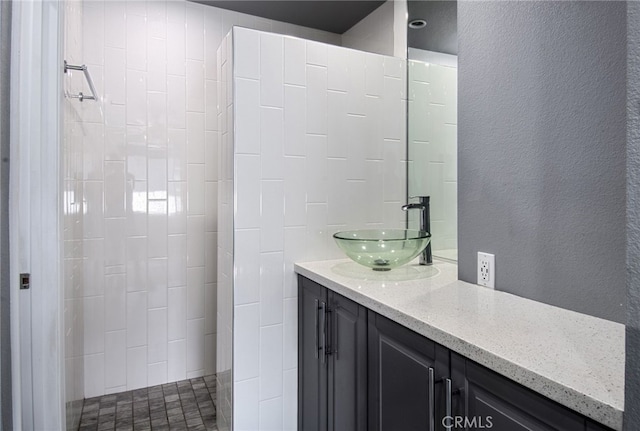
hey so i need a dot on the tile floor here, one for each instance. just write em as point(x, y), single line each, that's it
point(186, 405)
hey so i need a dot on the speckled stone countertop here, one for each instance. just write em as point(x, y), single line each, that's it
point(575, 359)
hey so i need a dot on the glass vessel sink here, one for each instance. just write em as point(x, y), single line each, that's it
point(382, 249)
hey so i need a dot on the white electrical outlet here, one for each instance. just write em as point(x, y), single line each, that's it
point(486, 270)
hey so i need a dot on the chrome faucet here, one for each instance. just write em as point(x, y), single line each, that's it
point(425, 225)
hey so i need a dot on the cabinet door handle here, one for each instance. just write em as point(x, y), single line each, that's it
point(317, 304)
point(432, 401)
point(323, 307)
point(447, 385)
point(448, 395)
point(333, 330)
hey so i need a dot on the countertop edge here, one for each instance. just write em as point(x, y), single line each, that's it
point(569, 397)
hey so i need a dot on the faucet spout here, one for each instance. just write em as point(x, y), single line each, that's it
point(412, 206)
point(426, 257)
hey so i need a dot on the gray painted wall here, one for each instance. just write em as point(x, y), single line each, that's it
point(632, 388)
point(542, 133)
point(5, 334)
point(374, 33)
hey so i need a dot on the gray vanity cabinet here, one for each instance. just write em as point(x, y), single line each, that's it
point(312, 368)
point(360, 371)
point(592, 426)
point(406, 376)
point(332, 355)
point(490, 400)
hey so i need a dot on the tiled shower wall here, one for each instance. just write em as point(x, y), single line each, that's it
point(149, 189)
point(73, 228)
point(319, 147)
point(433, 149)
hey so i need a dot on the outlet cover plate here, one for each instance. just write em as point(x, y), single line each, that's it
point(486, 270)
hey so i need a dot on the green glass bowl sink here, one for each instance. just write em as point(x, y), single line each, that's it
point(382, 249)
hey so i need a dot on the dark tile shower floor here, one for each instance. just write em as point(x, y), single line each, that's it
point(186, 405)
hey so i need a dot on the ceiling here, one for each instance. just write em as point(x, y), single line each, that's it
point(441, 31)
point(335, 16)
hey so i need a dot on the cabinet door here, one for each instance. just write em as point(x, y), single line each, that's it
point(487, 397)
point(402, 366)
point(593, 426)
point(348, 365)
point(312, 364)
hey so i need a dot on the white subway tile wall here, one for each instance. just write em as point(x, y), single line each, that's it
point(243, 154)
point(433, 143)
point(141, 191)
point(302, 165)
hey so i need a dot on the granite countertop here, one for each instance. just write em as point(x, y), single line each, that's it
point(572, 358)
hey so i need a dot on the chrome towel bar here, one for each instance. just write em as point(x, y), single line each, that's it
point(87, 76)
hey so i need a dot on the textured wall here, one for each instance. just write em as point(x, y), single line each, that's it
point(632, 389)
point(319, 147)
point(542, 150)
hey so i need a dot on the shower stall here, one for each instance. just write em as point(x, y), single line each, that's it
point(140, 186)
point(133, 248)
